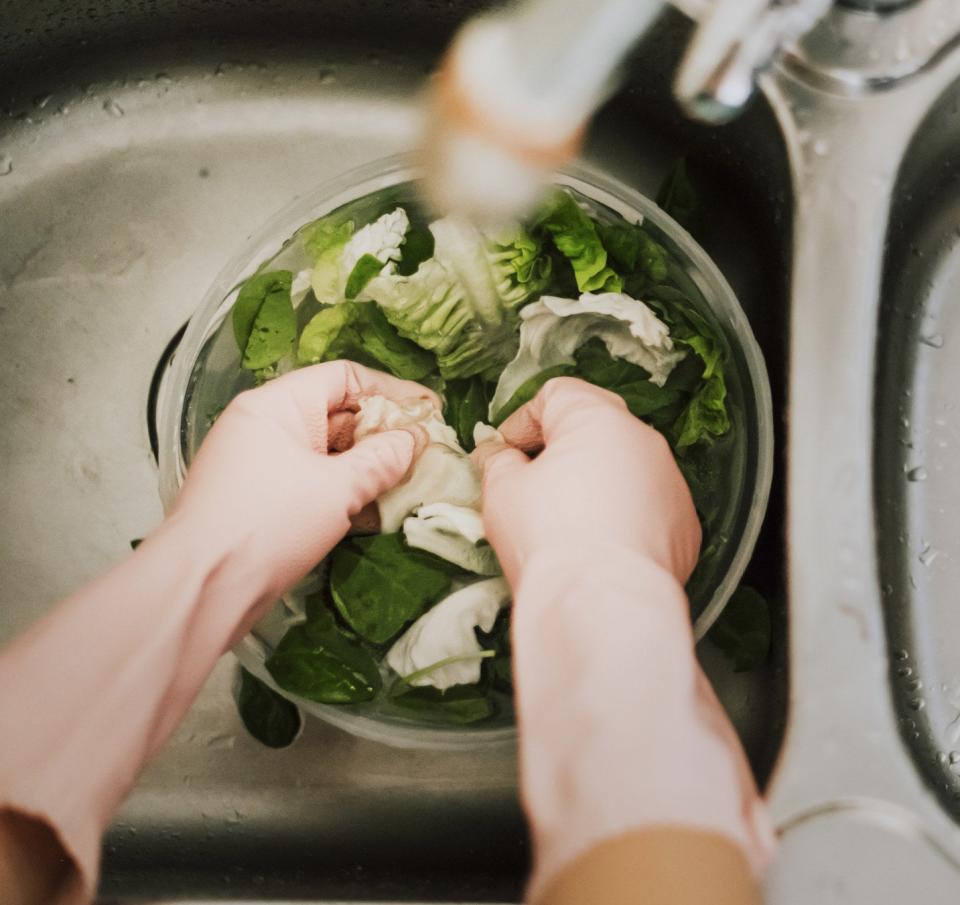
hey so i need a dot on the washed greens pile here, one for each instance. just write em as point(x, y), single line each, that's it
point(414, 620)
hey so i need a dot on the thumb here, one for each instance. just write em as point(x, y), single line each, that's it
point(496, 458)
point(374, 465)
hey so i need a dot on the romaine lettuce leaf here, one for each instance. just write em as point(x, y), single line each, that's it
point(552, 329)
point(461, 303)
point(445, 637)
point(359, 332)
point(575, 235)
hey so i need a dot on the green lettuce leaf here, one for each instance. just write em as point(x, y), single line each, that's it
point(324, 240)
point(264, 322)
point(319, 662)
point(575, 235)
point(379, 584)
point(358, 331)
point(634, 250)
point(461, 303)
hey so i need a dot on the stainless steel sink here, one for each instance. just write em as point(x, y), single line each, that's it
point(140, 145)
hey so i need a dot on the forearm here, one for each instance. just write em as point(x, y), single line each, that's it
point(620, 728)
point(121, 660)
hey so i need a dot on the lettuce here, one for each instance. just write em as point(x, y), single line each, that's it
point(359, 331)
point(553, 329)
point(575, 235)
point(441, 648)
point(461, 304)
point(345, 260)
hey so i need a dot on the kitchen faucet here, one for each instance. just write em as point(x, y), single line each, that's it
point(517, 87)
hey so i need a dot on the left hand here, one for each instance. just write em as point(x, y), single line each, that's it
point(264, 488)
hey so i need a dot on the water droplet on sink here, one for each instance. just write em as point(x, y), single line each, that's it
point(914, 685)
point(904, 672)
point(901, 655)
point(917, 474)
point(112, 107)
point(933, 340)
point(821, 147)
point(954, 757)
point(916, 704)
point(42, 100)
point(6, 164)
point(927, 554)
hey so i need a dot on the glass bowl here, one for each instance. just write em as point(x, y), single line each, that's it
point(205, 374)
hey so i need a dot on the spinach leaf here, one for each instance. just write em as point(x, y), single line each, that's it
point(416, 248)
point(268, 717)
point(379, 584)
point(499, 669)
point(264, 322)
point(527, 390)
point(575, 235)
point(318, 662)
point(467, 401)
point(462, 704)
point(136, 542)
point(743, 630)
point(629, 381)
point(360, 332)
point(678, 196)
point(363, 272)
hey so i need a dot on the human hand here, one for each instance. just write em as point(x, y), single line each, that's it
point(601, 478)
point(264, 488)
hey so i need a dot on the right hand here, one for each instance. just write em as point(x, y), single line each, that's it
point(601, 478)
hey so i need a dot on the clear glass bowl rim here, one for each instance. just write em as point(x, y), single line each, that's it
point(385, 173)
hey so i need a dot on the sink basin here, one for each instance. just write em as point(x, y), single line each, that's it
point(140, 147)
point(918, 413)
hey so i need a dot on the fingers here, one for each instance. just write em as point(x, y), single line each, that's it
point(495, 458)
point(374, 465)
point(564, 403)
point(334, 386)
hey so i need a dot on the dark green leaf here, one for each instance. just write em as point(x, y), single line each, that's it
point(743, 630)
point(575, 235)
point(264, 322)
point(251, 298)
point(379, 584)
point(678, 196)
point(527, 390)
point(466, 405)
point(136, 543)
point(416, 248)
point(318, 662)
point(268, 717)
point(358, 331)
point(629, 381)
point(499, 668)
point(462, 704)
point(363, 272)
